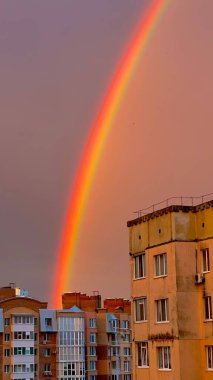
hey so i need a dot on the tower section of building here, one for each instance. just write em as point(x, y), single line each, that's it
point(171, 256)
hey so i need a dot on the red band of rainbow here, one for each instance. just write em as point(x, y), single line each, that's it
point(96, 141)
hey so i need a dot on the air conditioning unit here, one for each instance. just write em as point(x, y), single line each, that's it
point(199, 278)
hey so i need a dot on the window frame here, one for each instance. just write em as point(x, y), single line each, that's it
point(143, 347)
point(161, 311)
point(209, 348)
point(205, 253)
point(163, 349)
point(139, 310)
point(159, 266)
point(208, 299)
point(140, 266)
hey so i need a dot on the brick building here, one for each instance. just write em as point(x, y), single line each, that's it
point(80, 341)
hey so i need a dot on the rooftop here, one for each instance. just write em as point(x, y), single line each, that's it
point(173, 204)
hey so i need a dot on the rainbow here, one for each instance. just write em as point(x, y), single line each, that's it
point(95, 145)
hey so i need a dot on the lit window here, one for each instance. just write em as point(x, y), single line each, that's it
point(206, 262)
point(208, 307)
point(140, 266)
point(141, 309)
point(142, 354)
point(161, 265)
point(162, 310)
point(164, 358)
point(209, 353)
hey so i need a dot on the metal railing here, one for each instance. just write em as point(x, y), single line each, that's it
point(180, 201)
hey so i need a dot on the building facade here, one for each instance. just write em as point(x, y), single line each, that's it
point(107, 334)
point(80, 341)
point(171, 255)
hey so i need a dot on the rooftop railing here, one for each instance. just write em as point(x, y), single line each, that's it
point(180, 201)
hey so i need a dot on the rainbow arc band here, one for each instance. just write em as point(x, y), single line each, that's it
point(95, 145)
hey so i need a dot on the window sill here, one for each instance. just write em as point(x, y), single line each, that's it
point(165, 369)
point(208, 320)
point(161, 322)
point(139, 278)
point(144, 367)
point(161, 276)
point(141, 321)
point(206, 272)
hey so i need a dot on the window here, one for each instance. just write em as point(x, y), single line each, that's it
point(6, 337)
point(47, 352)
point(115, 351)
point(206, 262)
point(142, 354)
point(114, 324)
point(140, 266)
point(125, 324)
point(208, 307)
point(92, 351)
point(47, 367)
point(93, 377)
point(7, 321)
point(164, 358)
point(47, 337)
point(48, 321)
point(162, 310)
point(113, 364)
point(92, 338)
point(7, 352)
point(209, 353)
point(22, 335)
point(127, 377)
point(141, 309)
point(126, 366)
point(92, 322)
point(92, 365)
point(6, 368)
point(127, 351)
point(126, 338)
point(161, 265)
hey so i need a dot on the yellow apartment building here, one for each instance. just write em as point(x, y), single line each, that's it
point(171, 255)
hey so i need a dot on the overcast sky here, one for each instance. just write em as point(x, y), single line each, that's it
point(56, 60)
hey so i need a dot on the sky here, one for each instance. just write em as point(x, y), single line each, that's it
point(56, 61)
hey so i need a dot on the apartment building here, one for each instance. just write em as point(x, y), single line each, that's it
point(108, 335)
point(171, 256)
point(67, 344)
